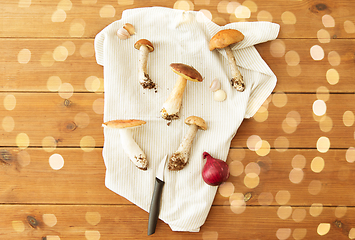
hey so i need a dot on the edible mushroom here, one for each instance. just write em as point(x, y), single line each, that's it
point(144, 46)
point(131, 148)
point(181, 157)
point(172, 105)
point(223, 39)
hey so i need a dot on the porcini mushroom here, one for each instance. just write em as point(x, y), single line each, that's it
point(172, 105)
point(144, 46)
point(131, 148)
point(181, 157)
point(223, 39)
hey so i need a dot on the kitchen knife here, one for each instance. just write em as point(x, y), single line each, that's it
point(155, 203)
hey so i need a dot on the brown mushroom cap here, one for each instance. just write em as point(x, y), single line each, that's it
point(186, 72)
point(193, 120)
point(225, 38)
point(144, 42)
point(131, 123)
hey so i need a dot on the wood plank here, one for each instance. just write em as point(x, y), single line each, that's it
point(85, 75)
point(298, 19)
point(130, 222)
point(27, 177)
point(37, 116)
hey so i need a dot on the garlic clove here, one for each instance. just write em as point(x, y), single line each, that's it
point(219, 95)
point(215, 85)
point(130, 28)
point(123, 34)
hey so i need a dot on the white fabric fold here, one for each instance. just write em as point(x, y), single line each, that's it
point(178, 37)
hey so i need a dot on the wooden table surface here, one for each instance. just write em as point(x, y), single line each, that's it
point(292, 164)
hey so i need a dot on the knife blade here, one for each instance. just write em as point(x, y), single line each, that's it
point(155, 203)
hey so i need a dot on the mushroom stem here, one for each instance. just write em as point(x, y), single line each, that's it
point(172, 105)
point(144, 78)
point(237, 79)
point(180, 158)
point(131, 148)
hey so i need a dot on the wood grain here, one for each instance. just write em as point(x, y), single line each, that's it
point(51, 98)
point(27, 177)
point(81, 66)
point(130, 222)
point(298, 19)
point(46, 114)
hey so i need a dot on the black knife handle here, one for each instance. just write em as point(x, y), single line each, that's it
point(155, 206)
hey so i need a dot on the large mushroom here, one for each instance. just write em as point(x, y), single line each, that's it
point(223, 39)
point(181, 157)
point(145, 47)
point(131, 148)
point(172, 105)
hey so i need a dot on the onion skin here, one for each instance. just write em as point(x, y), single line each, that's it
point(215, 170)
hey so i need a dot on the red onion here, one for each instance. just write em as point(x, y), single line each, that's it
point(215, 170)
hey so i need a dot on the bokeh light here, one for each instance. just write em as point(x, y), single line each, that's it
point(24, 3)
point(299, 215)
point(93, 218)
point(282, 197)
point(296, 175)
point(281, 144)
point(292, 58)
point(283, 233)
point(323, 36)
point(22, 140)
point(323, 93)
point(279, 99)
point(184, 5)
point(264, 16)
point(323, 144)
point(340, 211)
point(299, 233)
point(277, 48)
point(317, 164)
point(348, 118)
point(18, 226)
point(298, 161)
point(350, 155)
point(59, 16)
point(323, 228)
point(107, 11)
point(265, 198)
point(317, 52)
point(251, 180)
point(334, 58)
point(349, 26)
point(332, 76)
point(242, 12)
point(226, 189)
point(288, 17)
point(56, 161)
point(49, 219)
point(328, 21)
point(316, 209)
point(284, 212)
point(262, 148)
point(319, 107)
point(24, 56)
point(92, 235)
point(315, 187)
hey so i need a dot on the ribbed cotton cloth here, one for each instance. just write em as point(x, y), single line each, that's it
point(178, 37)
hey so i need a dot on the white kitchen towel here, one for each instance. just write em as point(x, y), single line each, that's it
point(178, 37)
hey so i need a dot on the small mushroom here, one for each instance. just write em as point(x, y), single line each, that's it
point(172, 105)
point(126, 31)
point(181, 157)
point(144, 46)
point(223, 39)
point(131, 148)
